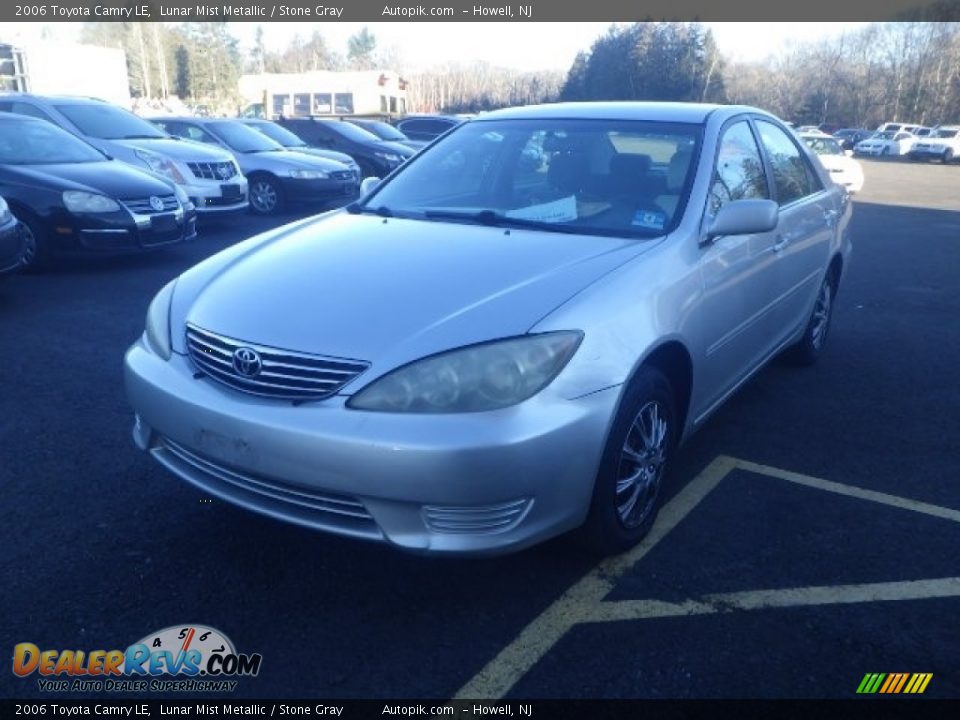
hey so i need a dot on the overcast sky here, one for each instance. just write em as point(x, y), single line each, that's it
point(525, 46)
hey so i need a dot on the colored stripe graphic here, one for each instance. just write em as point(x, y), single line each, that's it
point(894, 683)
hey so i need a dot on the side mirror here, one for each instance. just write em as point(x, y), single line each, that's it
point(744, 217)
point(368, 185)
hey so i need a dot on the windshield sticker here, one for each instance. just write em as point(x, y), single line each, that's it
point(649, 219)
point(563, 210)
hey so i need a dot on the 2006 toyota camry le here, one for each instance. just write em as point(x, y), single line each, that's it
point(505, 339)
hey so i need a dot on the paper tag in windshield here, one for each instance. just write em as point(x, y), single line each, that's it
point(563, 210)
point(649, 219)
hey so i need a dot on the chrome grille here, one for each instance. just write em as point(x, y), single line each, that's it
point(283, 374)
point(142, 206)
point(213, 170)
point(305, 506)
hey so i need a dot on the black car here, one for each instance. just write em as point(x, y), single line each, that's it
point(375, 157)
point(426, 127)
point(386, 131)
point(11, 240)
point(71, 198)
point(849, 137)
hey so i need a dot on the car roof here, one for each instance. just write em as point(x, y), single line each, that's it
point(75, 99)
point(696, 113)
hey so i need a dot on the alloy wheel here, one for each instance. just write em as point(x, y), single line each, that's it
point(821, 316)
point(29, 255)
point(263, 196)
point(643, 460)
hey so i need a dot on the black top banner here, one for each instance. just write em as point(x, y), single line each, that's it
point(876, 709)
point(473, 10)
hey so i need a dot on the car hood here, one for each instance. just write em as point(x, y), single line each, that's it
point(183, 150)
point(325, 154)
point(109, 177)
point(290, 159)
point(839, 162)
point(394, 147)
point(389, 291)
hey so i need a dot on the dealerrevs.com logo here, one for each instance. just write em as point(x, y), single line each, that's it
point(180, 658)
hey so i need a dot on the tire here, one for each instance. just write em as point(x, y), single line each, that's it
point(622, 512)
point(808, 350)
point(266, 197)
point(885, 152)
point(947, 155)
point(37, 255)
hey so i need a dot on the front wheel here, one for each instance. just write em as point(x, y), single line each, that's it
point(947, 155)
point(626, 495)
point(266, 197)
point(36, 253)
point(810, 346)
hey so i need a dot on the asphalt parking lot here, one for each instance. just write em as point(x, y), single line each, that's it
point(810, 537)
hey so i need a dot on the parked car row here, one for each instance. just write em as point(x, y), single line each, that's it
point(80, 175)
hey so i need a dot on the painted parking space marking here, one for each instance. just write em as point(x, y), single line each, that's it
point(584, 603)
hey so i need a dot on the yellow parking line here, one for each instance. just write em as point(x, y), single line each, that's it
point(534, 641)
point(852, 491)
point(584, 602)
point(788, 597)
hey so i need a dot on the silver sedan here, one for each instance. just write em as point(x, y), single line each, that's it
point(506, 339)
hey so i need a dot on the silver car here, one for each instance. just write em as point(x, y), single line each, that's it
point(505, 340)
point(278, 177)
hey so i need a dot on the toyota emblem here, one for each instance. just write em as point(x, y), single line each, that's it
point(156, 203)
point(247, 362)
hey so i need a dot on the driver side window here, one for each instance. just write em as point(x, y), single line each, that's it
point(738, 173)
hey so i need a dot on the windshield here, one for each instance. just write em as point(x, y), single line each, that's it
point(351, 131)
point(242, 139)
point(109, 122)
point(823, 146)
point(603, 177)
point(279, 134)
point(41, 143)
point(383, 130)
point(883, 136)
point(946, 133)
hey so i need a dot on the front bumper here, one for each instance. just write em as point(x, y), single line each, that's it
point(479, 483)
point(121, 231)
point(318, 189)
point(928, 153)
point(217, 198)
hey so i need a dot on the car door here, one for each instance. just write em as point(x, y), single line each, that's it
point(737, 272)
point(809, 213)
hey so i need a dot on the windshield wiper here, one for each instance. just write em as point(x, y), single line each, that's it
point(495, 219)
point(356, 208)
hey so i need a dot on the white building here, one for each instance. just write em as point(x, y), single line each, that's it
point(50, 68)
point(324, 92)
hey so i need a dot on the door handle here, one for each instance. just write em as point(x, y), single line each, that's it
point(780, 244)
point(830, 216)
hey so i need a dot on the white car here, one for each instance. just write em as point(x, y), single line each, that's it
point(943, 145)
point(886, 143)
point(843, 170)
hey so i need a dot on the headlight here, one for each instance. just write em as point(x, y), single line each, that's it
point(307, 174)
point(389, 157)
point(159, 164)
point(158, 322)
point(472, 379)
point(5, 214)
point(78, 201)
